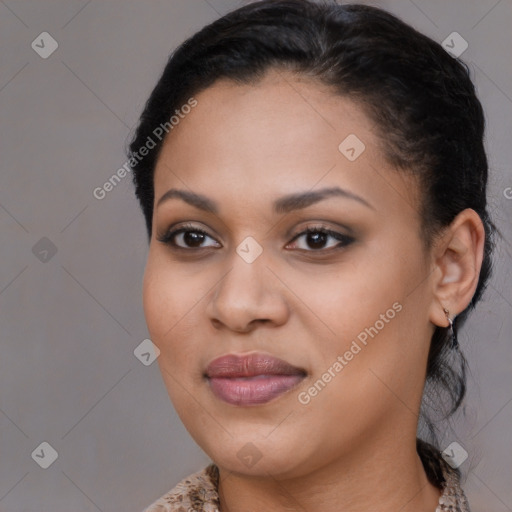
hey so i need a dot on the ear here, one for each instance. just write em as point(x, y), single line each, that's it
point(457, 259)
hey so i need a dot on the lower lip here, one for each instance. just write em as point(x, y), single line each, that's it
point(252, 390)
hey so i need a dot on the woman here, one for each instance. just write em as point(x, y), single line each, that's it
point(313, 180)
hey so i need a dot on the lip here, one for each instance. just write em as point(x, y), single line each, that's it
point(251, 379)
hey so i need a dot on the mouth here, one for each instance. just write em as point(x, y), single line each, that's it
point(252, 379)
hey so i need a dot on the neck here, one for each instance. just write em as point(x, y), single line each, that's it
point(385, 476)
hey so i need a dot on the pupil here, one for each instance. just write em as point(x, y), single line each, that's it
point(193, 238)
point(318, 239)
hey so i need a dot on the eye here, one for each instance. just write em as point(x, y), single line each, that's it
point(189, 235)
point(317, 236)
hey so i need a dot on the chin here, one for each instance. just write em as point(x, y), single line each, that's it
point(259, 456)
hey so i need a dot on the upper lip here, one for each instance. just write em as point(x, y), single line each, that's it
point(249, 365)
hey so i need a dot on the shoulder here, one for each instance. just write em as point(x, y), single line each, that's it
point(453, 497)
point(444, 476)
point(199, 491)
point(196, 492)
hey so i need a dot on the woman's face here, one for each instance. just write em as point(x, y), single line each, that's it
point(349, 310)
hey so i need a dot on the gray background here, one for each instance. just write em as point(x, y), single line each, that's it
point(69, 325)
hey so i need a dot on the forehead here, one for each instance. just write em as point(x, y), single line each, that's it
point(283, 132)
point(279, 117)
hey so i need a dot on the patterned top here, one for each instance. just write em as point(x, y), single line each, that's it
point(198, 492)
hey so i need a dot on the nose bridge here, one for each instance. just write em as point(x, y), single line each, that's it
point(247, 276)
point(248, 291)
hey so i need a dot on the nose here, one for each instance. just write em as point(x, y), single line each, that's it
point(249, 294)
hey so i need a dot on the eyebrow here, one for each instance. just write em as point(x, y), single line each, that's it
point(284, 204)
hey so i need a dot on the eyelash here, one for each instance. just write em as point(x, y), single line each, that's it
point(345, 240)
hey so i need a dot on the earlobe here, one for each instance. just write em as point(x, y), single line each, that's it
point(457, 259)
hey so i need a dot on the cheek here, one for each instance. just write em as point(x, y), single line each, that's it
point(370, 315)
point(168, 302)
point(156, 298)
point(338, 304)
point(169, 311)
point(174, 300)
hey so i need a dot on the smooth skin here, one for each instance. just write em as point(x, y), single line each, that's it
point(304, 300)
